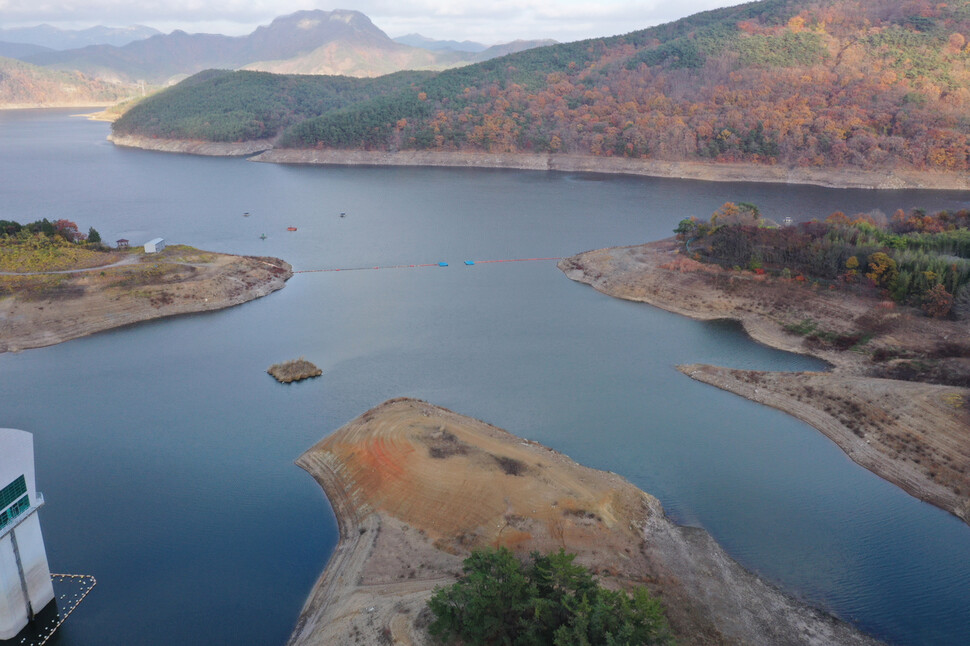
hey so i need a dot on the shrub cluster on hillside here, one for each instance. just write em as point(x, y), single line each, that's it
point(46, 246)
point(918, 259)
point(547, 601)
point(11, 231)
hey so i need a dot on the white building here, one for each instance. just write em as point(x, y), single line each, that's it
point(154, 246)
point(25, 578)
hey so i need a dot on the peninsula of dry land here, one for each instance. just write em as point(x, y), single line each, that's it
point(416, 487)
point(40, 309)
point(913, 433)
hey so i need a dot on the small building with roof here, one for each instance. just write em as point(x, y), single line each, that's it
point(154, 246)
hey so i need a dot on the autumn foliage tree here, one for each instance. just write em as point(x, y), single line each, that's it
point(882, 270)
point(937, 302)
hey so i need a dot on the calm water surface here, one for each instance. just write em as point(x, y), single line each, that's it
point(165, 451)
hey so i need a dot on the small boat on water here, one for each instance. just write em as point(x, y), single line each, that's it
point(291, 228)
point(343, 214)
point(246, 214)
point(262, 237)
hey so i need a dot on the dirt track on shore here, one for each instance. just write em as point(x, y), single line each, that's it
point(44, 309)
point(416, 487)
point(916, 435)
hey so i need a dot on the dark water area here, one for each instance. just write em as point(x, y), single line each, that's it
point(165, 452)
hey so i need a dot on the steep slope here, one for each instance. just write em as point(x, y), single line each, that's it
point(25, 85)
point(361, 60)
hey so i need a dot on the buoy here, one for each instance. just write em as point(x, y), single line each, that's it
point(291, 228)
point(469, 262)
point(442, 264)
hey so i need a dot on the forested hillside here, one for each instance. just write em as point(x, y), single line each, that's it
point(218, 105)
point(828, 83)
point(22, 84)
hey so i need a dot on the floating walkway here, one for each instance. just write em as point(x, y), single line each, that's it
point(69, 592)
point(469, 263)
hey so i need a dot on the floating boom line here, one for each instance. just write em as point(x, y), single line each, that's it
point(468, 263)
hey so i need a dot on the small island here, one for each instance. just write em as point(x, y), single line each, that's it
point(887, 304)
point(416, 488)
point(294, 370)
point(58, 284)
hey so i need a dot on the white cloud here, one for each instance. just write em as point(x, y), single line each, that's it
point(491, 22)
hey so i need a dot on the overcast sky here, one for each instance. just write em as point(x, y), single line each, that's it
point(488, 21)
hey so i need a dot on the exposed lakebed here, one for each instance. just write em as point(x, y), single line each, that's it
point(165, 453)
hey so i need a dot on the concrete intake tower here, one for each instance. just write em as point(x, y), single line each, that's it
point(25, 578)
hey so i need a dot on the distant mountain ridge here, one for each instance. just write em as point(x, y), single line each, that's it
point(51, 37)
point(305, 42)
point(417, 40)
point(21, 50)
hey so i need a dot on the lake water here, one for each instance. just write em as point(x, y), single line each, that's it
point(165, 452)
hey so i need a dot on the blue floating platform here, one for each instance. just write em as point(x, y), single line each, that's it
point(469, 262)
point(442, 264)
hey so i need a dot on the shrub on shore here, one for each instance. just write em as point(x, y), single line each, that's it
point(547, 600)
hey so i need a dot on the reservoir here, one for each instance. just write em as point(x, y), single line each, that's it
point(165, 452)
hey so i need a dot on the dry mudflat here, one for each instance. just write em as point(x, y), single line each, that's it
point(895, 400)
point(41, 310)
point(416, 487)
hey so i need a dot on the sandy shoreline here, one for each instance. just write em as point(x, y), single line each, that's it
point(179, 280)
point(416, 487)
point(915, 435)
point(710, 172)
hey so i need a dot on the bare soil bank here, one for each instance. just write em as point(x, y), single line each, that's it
point(912, 434)
point(42, 310)
point(916, 435)
point(416, 487)
point(711, 172)
point(207, 148)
